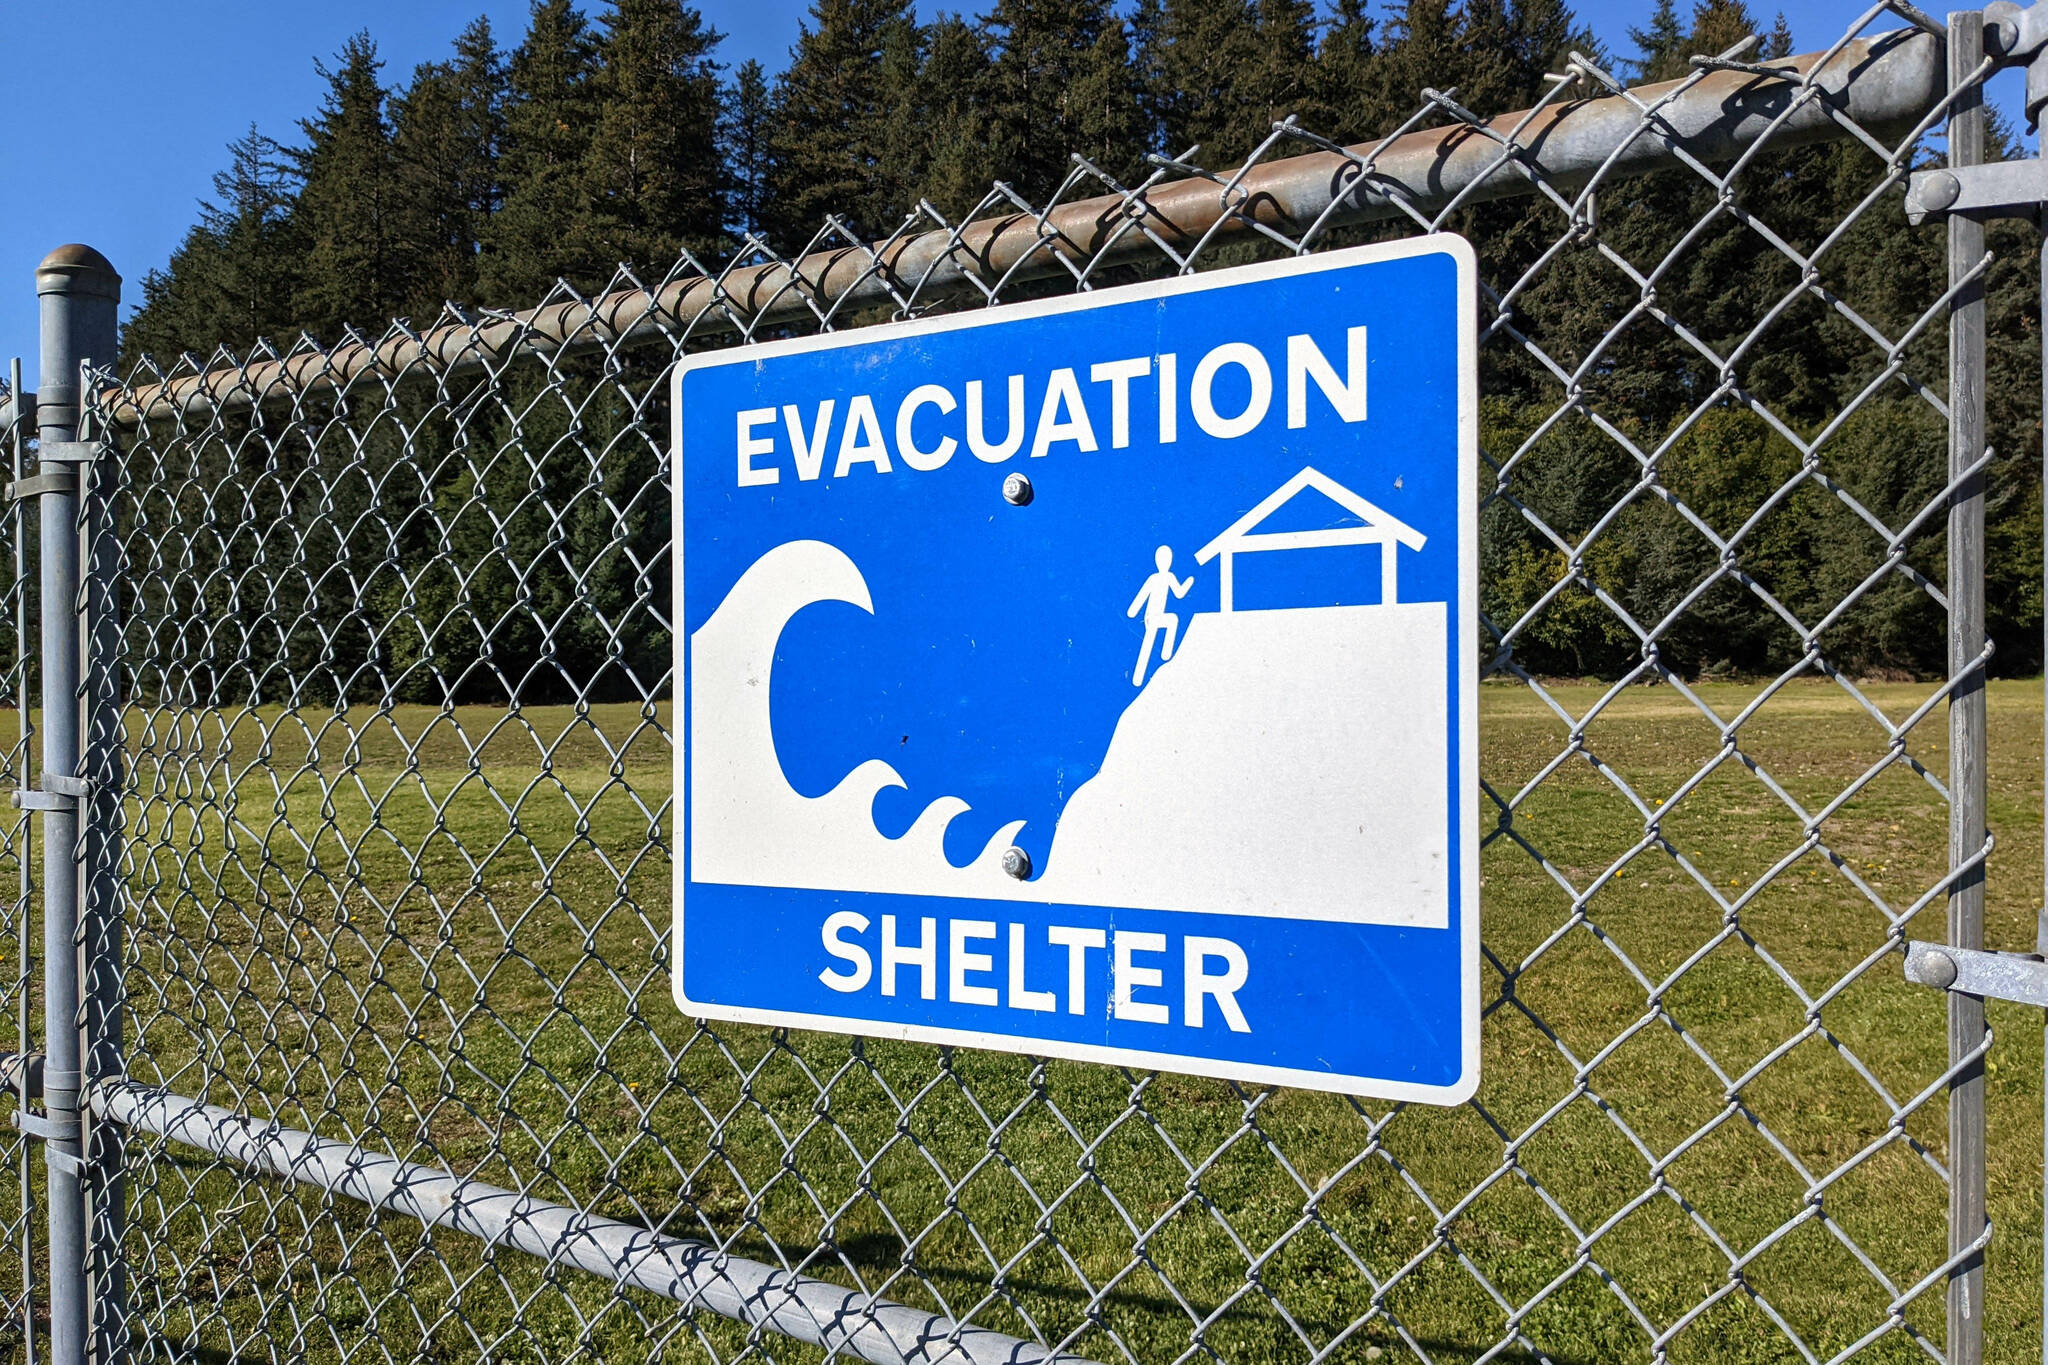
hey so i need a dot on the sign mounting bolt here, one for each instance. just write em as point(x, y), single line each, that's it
point(1017, 492)
point(1016, 862)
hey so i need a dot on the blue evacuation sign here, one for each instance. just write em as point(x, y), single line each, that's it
point(1096, 678)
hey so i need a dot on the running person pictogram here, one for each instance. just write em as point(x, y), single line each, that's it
point(1153, 597)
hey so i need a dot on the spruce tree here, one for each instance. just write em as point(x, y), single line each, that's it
point(1469, 47)
point(447, 129)
point(835, 108)
point(1220, 73)
point(1544, 34)
point(1191, 53)
point(907, 128)
point(743, 133)
point(1718, 25)
point(1342, 107)
point(233, 279)
point(1281, 80)
point(1778, 42)
point(355, 257)
point(160, 327)
point(652, 176)
point(258, 237)
point(1061, 83)
point(1660, 45)
point(541, 233)
point(950, 117)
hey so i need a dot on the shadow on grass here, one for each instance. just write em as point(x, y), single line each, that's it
point(882, 1252)
point(1055, 1304)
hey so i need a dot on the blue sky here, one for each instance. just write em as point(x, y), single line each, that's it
point(115, 147)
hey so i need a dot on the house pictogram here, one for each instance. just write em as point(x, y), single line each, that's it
point(1380, 528)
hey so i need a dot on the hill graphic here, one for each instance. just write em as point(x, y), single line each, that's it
point(1283, 762)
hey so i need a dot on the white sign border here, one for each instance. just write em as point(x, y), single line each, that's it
point(1374, 1087)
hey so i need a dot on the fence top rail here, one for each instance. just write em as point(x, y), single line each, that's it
point(1886, 83)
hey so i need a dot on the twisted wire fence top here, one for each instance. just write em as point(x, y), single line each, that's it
point(397, 846)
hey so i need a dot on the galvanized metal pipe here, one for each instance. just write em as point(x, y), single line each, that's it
point(2041, 918)
point(1967, 127)
point(1885, 84)
point(80, 295)
point(811, 1310)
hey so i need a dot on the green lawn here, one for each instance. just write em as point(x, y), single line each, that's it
point(447, 930)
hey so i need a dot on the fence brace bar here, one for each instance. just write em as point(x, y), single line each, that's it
point(692, 1273)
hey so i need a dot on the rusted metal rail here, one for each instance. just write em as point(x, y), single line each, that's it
point(1887, 82)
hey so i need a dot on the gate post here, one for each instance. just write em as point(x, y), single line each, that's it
point(1966, 716)
point(80, 295)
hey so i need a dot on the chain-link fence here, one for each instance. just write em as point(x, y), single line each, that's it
point(401, 1070)
point(20, 1194)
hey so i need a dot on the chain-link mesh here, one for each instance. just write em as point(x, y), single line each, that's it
point(398, 823)
point(21, 1190)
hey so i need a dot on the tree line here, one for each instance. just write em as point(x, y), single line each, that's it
point(613, 136)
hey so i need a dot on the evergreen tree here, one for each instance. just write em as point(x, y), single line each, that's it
point(1191, 52)
point(1778, 42)
point(1660, 45)
point(254, 228)
point(1343, 108)
point(1421, 48)
point(487, 178)
point(1718, 25)
point(949, 117)
point(743, 144)
point(1061, 83)
point(1281, 80)
point(906, 142)
point(541, 232)
point(160, 325)
point(1494, 53)
point(233, 279)
point(1220, 73)
point(835, 110)
point(347, 209)
point(1544, 34)
point(1149, 78)
point(447, 128)
point(652, 178)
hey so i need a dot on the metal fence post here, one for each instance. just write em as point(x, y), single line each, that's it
point(2041, 922)
point(1966, 726)
point(80, 297)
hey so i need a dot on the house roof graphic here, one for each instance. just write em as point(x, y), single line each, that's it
point(1381, 528)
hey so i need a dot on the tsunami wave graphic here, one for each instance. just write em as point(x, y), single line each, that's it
point(748, 826)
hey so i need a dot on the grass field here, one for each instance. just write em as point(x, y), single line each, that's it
point(445, 931)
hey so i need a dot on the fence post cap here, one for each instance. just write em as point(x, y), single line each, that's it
point(78, 269)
